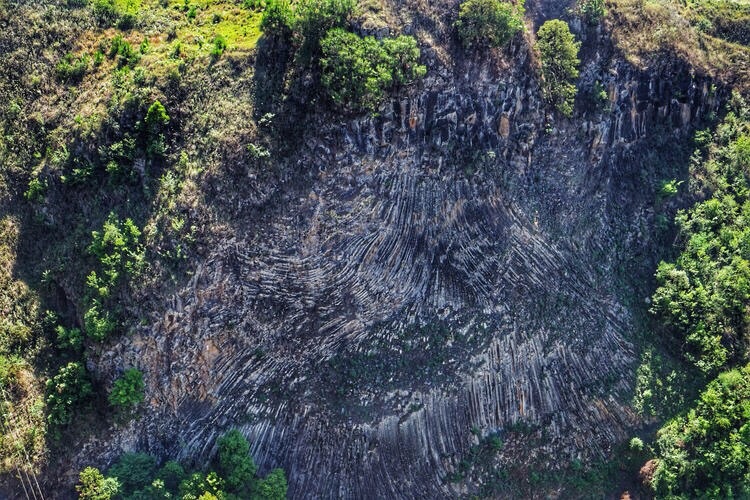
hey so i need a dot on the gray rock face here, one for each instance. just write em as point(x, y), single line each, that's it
point(452, 266)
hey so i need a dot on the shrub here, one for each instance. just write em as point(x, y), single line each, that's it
point(105, 12)
point(315, 18)
point(71, 69)
point(156, 118)
point(559, 53)
point(220, 45)
point(67, 389)
point(235, 462)
point(123, 51)
point(171, 475)
point(127, 391)
point(402, 54)
point(706, 453)
point(272, 487)
point(36, 191)
point(202, 487)
point(488, 23)
point(592, 11)
point(134, 471)
point(357, 72)
point(92, 485)
point(97, 323)
point(69, 338)
point(278, 19)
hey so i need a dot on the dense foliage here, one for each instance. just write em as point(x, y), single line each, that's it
point(489, 23)
point(92, 485)
point(127, 391)
point(67, 389)
point(706, 453)
point(119, 252)
point(702, 297)
point(137, 476)
point(559, 53)
point(702, 306)
point(357, 72)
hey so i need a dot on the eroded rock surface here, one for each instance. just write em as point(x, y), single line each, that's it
point(454, 264)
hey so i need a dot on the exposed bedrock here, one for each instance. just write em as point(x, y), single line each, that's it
point(450, 267)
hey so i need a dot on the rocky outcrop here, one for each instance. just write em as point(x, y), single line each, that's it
point(453, 266)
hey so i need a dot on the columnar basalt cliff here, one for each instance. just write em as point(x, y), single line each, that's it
point(457, 265)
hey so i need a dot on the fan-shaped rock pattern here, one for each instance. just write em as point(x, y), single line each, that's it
point(448, 269)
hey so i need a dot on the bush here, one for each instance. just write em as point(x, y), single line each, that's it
point(592, 11)
point(278, 19)
point(171, 475)
point(92, 485)
point(357, 72)
point(67, 389)
point(123, 51)
point(235, 462)
point(156, 118)
point(71, 69)
point(105, 12)
point(69, 338)
point(128, 391)
point(489, 23)
point(134, 471)
point(98, 324)
point(220, 45)
point(559, 53)
point(706, 453)
point(36, 191)
point(272, 487)
point(315, 18)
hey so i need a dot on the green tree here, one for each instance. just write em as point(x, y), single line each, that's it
point(200, 486)
point(315, 18)
point(235, 462)
point(67, 389)
point(127, 391)
point(706, 453)
point(358, 72)
point(272, 487)
point(559, 53)
point(134, 471)
point(489, 23)
point(92, 485)
point(171, 474)
point(278, 19)
point(156, 118)
point(355, 71)
point(402, 54)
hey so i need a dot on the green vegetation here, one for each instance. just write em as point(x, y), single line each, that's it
point(278, 19)
point(118, 250)
point(235, 462)
point(138, 476)
point(92, 485)
point(702, 296)
point(489, 23)
point(592, 11)
point(127, 391)
point(315, 18)
point(701, 305)
point(559, 53)
point(65, 391)
point(71, 69)
point(357, 72)
point(706, 453)
point(134, 472)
